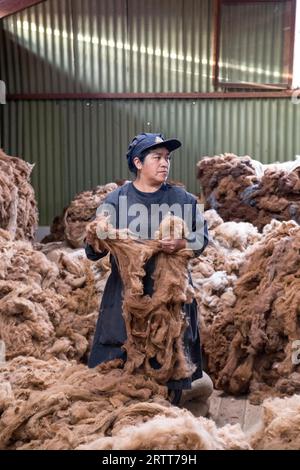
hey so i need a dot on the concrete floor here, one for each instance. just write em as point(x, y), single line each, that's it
point(226, 409)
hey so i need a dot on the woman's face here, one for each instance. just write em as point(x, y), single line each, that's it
point(156, 166)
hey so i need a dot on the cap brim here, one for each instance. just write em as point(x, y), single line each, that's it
point(170, 144)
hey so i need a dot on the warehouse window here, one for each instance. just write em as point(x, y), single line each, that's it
point(254, 44)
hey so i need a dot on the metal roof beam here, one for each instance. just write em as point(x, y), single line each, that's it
point(9, 7)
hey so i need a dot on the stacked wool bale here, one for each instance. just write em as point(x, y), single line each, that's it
point(18, 211)
point(72, 223)
point(250, 346)
point(216, 271)
point(47, 308)
point(242, 189)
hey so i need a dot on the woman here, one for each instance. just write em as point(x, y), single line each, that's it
point(151, 198)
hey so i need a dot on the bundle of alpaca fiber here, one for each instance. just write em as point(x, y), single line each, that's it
point(18, 211)
point(155, 325)
point(57, 405)
point(47, 308)
point(178, 432)
point(72, 224)
point(250, 345)
point(216, 271)
point(242, 189)
point(280, 425)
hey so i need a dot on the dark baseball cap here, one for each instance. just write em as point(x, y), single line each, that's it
point(148, 141)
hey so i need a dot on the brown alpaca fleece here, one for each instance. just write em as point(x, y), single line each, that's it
point(216, 271)
point(242, 189)
point(60, 405)
point(71, 225)
point(18, 210)
point(47, 308)
point(155, 325)
point(250, 345)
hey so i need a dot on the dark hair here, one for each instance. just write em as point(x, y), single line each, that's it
point(141, 158)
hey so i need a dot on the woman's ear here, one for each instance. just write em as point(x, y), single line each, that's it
point(137, 163)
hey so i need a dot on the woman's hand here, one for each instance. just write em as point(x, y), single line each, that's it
point(91, 237)
point(169, 245)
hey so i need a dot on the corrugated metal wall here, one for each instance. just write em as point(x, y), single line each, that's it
point(116, 46)
point(109, 46)
point(77, 145)
point(252, 41)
